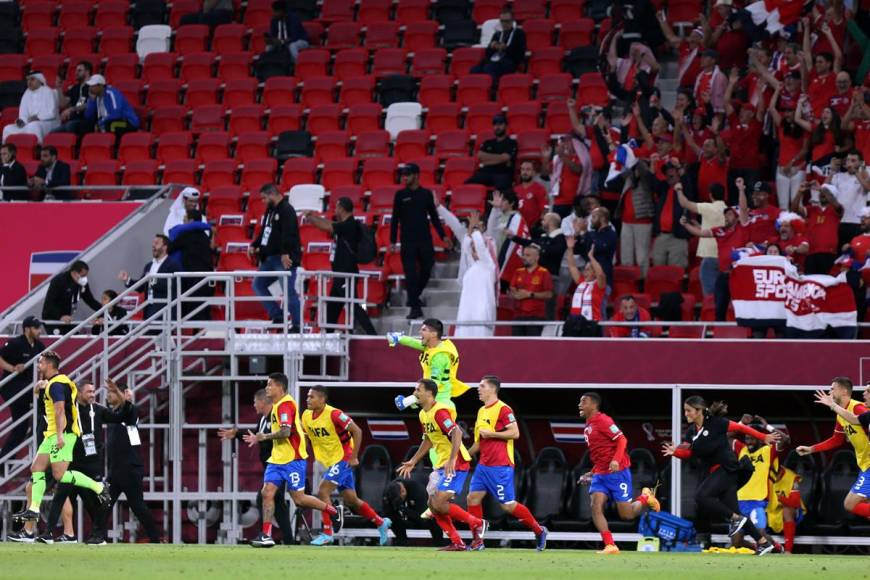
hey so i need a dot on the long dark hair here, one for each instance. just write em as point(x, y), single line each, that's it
point(791, 129)
point(818, 135)
point(717, 409)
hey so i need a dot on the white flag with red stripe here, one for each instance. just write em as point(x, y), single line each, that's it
point(514, 257)
point(775, 15)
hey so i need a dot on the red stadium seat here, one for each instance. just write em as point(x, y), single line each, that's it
point(546, 61)
point(467, 198)
point(523, 116)
point(337, 10)
point(258, 172)
point(47, 64)
point(343, 35)
point(311, 234)
point(111, 13)
point(530, 143)
point(528, 9)
point(378, 172)
point(451, 144)
point(191, 38)
point(479, 117)
point(218, 173)
point(197, 65)
point(26, 143)
point(12, 67)
point(408, 11)
point(117, 40)
point(473, 89)
point(297, 170)
point(122, 66)
point(513, 88)
point(661, 279)
point(364, 117)
point(229, 38)
point(484, 10)
point(283, 118)
point(592, 90)
point(563, 11)
point(318, 91)
point(626, 280)
point(411, 145)
point(683, 12)
point(435, 89)
point(383, 34)
point(371, 11)
point(213, 146)
point(207, 118)
point(222, 200)
point(135, 147)
point(41, 41)
point(159, 66)
point(315, 32)
point(141, 172)
point(257, 15)
point(181, 171)
point(442, 117)
point(421, 35)
point(539, 32)
point(463, 59)
point(163, 93)
point(355, 193)
point(372, 144)
point(312, 63)
point(576, 33)
point(356, 90)
point(201, 92)
point(428, 167)
point(732, 332)
point(37, 15)
point(65, 144)
point(279, 91)
point(457, 170)
point(390, 61)
point(180, 8)
point(338, 172)
point(324, 118)
point(557, 119)
point(96, 147)
point(381, 201)
point(239, 93)
point(252, 146)
point(350, 62)
point(428, 61)
point(556, 87)
point(235, 66)
point(132, 90)
point(103, 173)
point(175, 145)
point(230, 233)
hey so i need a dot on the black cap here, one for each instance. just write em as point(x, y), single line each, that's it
point(711, 53)
point(499, 119)
point(409, 169)
point(31, 322)
point(762, 186)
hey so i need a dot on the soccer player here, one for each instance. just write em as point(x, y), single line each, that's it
point(287, 461)
point(61, 433)
point(610, 478)
point(452, 461)
point(336, 439)
point(849, 414)
point(495, 431)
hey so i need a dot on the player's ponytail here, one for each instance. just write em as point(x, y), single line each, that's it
point(718, 409)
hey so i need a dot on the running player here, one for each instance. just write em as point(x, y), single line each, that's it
point(610, 478)
point(841, 402)
point(495, 431)
point(336, 439)
point(287, 461)
point(452, 461)
point(62, 431)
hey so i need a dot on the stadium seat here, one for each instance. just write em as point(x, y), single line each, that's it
point(556, 87)
point(381, 200)
point(428, 167)
point(402, 117)
point(252, 146)
point(12, 67)
point(378, 172)
point(480, 115)
point(163, 93)
point(140, 172)
point(442, 117)
point(158, 66)
point(374, 474)
point(457, 170)
point(213, 146)
point(682, 12)
point(435, 89)
point(488, 30)
point(239, 93)
point(111, 13)
point(174, 146)
point(592, 90)
point(539, 32)
point(49, 65)
point(223, 200)
point(383, 34)
point(364, 117)
point(318, 91)
point(153, 38)
point(410, 11)
point(197, 65)
point(545, 61)
point(357, 90)
point(523, 116)
point(41, 41)
point(483, 10)
point(343, 35)
point(546, 481)
point(372, 144)
point(451, 144)
point(324, 118)
point(132, 90)
point(121, 66)
point(389, 62)
point(229, 38)
point(411, 144)
point(135, 147)
point(279, 91)
point(312, 63)
point(355, 193)
point(563, 11)
point(116, 41)
point(557, 119)
point(283, 118)
point(293, 144)
point(239, 261)
point(351, 62)
point(373, 11)
point(96, 147)
point(297, 170)
point(576, 33)
point(218, 173)
point(732, 332)
point(660, 279)
point(235, 66)
point(420, 36)
point(258, 172)
point(337, 10)
point(257, 15)
point(428, 61)
point(397, 89)
point(525, 10)
point(65, 144)
point(463, 59)
point(201, 92)
point(230, 233)
point(338, 172)
point(26, 144)
point(103, 173)
point(458, 33)
point(307, 197)
point(473, 88)
point(626, 280)
point(513, 88)
point(181, 171)
point(37, 15)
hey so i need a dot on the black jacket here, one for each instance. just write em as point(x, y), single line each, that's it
point(63, 297)
point(60, 176)
point(121, 454)
point(14, 175)
point(516, 48)
point(93, 465)
point(160, 288)
point(552, 250)
point(294, 29)
point(195, 248)
point(16, 351)
point(711, 446)
point(283, 233)
point(411, 208)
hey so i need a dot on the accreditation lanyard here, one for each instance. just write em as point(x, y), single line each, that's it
point(89, 441)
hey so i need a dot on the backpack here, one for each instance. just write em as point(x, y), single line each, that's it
point(670, 529)
point(366, 249)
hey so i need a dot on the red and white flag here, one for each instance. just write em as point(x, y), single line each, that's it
point(568, 432)
point(776, 14)
point(514, 257)
point(388, 429)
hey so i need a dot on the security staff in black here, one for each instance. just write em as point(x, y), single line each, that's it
point(707, 440)
point(405, 500)
point(413, 208)
point(126, 472)
point(263, 406)
point(62, 297)
point(14, 355)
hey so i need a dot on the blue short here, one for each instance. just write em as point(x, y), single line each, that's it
point(756, 511)
point(454, 483)
point(341, 474)
point(293, 473)
point(497, 481)
point(616, 486)
point(862, 484)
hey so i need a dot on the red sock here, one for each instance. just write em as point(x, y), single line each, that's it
point(607, 537)
point(862, 510)
point(330, 509)
point(460, 515)
point(327, 522)
point(788, 529)
point(476, 511)
point(366, 511)
point(446, 524)
point(267, 528)
point(523, 514)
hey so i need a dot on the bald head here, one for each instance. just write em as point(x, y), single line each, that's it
point(552, 221)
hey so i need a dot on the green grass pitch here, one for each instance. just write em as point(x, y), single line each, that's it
point(131, 562)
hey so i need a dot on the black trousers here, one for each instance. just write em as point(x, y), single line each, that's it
point(19, 408)
point(418, 259)
point(846, 232)
point(333, 309)
point(129, 482)
point(495, 179)
point(526, 330)
point(66, 491)
point(717, 498)
point(819, 263)
point(722, 295)
point(282, 512)
point(402, 522)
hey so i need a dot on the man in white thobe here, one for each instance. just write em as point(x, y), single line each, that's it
point(37, 113)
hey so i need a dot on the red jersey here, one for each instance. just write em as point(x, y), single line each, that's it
point(495, 452)
point(711, 171)
point(744, 142)
point(825, 148)
point(796, 241)
point(447, 425)
point(790, 147)
point(538, 280)
point(533, 200)
point(862, 137)
point(841, 103)
point(601, 437)
point(588, 300)
point(820, 91)
point(762, 224)
point(626, 331)
point(727, 241)
point(568, 183)
point(860, 246)
point(822, 224)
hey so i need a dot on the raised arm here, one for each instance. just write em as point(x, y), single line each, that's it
point(742, 204)
point(694, 229)
point(671, 37)
point(798, 115)
point(835, 48)
point(774, 113)
point(452, 222)
point(319, 222)
point(576, 275)
point(641, 126)
point(600, 276)
point(684, 201)
point(806, 47)
point(733, 77)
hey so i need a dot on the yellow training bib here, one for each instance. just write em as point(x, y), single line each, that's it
point(330, 446)
point(447, 347)
point(71, 409)
point(857, 437)
point(440, 442)
point(292, 448)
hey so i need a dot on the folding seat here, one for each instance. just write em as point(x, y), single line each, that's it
point(484, 10)
point(338, 172)
point(8, 115)
point(315, 32)
point(258, 172)
point(457, 170)
point(459, 33)
point(132, 90)
point(135, 147)
point(116, 40)
point(47, 64)
point(529, 144)
point(592, 90)
point(103, 173)
point(153, 38)
point(111, 13)
point(230, 233)
point(604, 27)
point(411, 144)
point(513, 88)
point(357, 90)
point(451, 144)
point(159, 66)
point(539, 32)
point(523, 116)
point(661, 279)
point(181, 171)
point(213, 146)
point(75, 171)
point(239, 93)
point(372, 11)
point(408, 11)
point(293, 144)
point(428, 168)
point(381, 35)
point(421, 35)
point(197, 65)
point(312, 62)
point(435, 89)
point(473, 89)
point(141, 172)
point(463, 59)
point(577, 33)
point(480, 139)
point(222, 200)
point(372, 144)
point(337, 10)
point(174, 146)
point(229, 38)
point(364, 117)
point(122, 66)
point(557, 119)
point(96, 147)
point(682, 12)
point(351, 62)
point(465, 199)
point(355, 193)
point(442, 117)
point(252, 146)
point(378, 172)
point(279, 91)
point(390, 62)
point(41, 41)
point(239, 260)
point(283, 118)
point(257, 15)
point(235, 65)
point(556, 87)
point(546, 61)
point(37, 15)
point(218, 173)
point(529, 9)
point(403, 116)
point(201, 92)
point(297, 170)
point(381, 200)
point(324, 118)
point(207, 118)
point(26, 143)
point(163, 93)
point(12, 67)
point(331, 145)
point(65, 144)
point(181, 8)
point(310, 234)
point(318, 91)
point(343, 35)
point(563, 11)
point(428, 61)
point(479, 117)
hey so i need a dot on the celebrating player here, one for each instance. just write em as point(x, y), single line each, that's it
point(452, 461)
point(849, 414)
point(287, 461)
point(336, 439)
point(62, 431)
point(707, 440)
point(610, 478)
point(495, 431)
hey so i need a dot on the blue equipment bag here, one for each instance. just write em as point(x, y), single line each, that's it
point(672, 530)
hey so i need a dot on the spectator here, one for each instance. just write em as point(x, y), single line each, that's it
point(632, 75)
point(497, 157)
point(12, 174)
point(413, 208)
point(857, 122)
point(187, 200)
point(743, 139)
point(689, 63)
point(190, 246)
point(792, 244)
point(551, 243)
point(588, 301)
point(506, 50)
point(531, 287)
point(532, 195)
point(671, 246)
point(112, 315)
point(762, 216)
point(52, 176)
point(850, 188)
point(841, 102)
point(713, 160)
point(793, 149)
point(569, 166)
point(14, 355)
point(213, 13)
point(823, 221)
point(710, 83)
point(347, 235)
point(826, 138)
point(860, 244)
point(37, 112)
point(630, 311)
point(62, 297)
point(75, 101)
point(637, 209)
point(822, 82)
point(634, 18)
point(286, 32)
point(159, 291)
point(109, 110)
point(599, 234)
point(712, 216)
point(503, 223)
point(277, 246)
point(581, 210)
point(734, 32)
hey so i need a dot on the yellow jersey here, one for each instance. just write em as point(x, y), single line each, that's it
point(782, 487)
point(857, 436)
point(443, 376)
point(495, 452)
point(286, 412)
point(438, 422)
point(757, 488)
point(330, 439)
point(61, 389)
